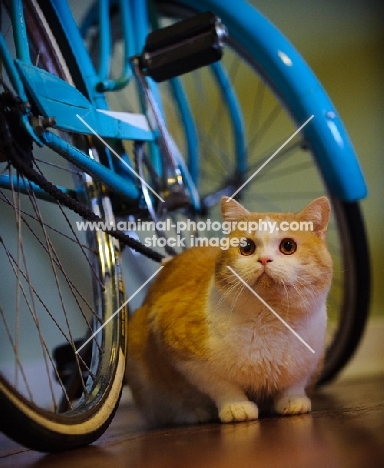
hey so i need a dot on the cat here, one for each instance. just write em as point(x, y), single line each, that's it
point(204, 347)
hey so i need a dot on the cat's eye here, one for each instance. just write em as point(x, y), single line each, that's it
point(288, 246)
point(247, 246)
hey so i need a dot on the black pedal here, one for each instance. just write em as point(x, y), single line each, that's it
point(183, 47)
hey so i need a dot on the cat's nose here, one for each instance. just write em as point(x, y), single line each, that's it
point(264, 260)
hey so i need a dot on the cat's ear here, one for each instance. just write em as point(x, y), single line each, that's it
point(231, 210)
point(318, 212)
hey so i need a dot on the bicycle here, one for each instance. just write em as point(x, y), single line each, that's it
point(53, 99)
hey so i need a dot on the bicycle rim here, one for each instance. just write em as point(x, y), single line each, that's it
point(59, 287)
point(289, 181)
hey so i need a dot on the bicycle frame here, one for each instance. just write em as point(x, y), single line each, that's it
point(292, 79)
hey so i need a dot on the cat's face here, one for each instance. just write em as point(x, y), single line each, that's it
point(288, 251)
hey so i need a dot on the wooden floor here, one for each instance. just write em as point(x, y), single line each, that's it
point(345, 429)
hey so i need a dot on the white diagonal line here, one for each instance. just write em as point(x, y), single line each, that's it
point(270, 308)
point(270, 158)
point(118, 156)
point(118, 310)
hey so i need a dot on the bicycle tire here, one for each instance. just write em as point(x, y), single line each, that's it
point(355, 306)
point(347, 229)
point(99, 371)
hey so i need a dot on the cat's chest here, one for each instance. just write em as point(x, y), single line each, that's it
point(248, 342)
point(258, 352)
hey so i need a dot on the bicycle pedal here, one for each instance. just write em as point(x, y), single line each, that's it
point(182, 47)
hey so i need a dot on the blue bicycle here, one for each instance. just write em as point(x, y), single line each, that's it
point(136, 116)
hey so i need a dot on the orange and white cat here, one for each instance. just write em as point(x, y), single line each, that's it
point(204, 346)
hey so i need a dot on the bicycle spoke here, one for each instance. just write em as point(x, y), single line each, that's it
point(25, 214)
point(57, 166)
point(16, 353)
point(70, 283)
point(32, 310)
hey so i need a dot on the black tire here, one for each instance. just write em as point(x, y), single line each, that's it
point(86, 388)
point(355, 304)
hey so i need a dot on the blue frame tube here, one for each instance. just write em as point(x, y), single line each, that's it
point(129, 43)
point(13, 74)
point(134, 14)
point(80, 53)
point(27, 186)
point(107, 84)
point(115, 182)
point(20, 31)
point(105, 40)
point(140, 14)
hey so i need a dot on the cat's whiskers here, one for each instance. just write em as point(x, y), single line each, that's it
point(229, 283)
point(303, 292)
point(286, 293)
point(307, 287)
point(224, 295)
point(233, 288)
point(236, 298)
point(247, 277)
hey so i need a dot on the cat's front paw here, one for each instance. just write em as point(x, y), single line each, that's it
point(238, 411)
point(293, 405)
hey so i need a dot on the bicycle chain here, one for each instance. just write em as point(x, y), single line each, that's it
point(21, 158)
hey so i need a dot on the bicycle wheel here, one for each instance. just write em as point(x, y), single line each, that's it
point(263, 122)
point(58, 284)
